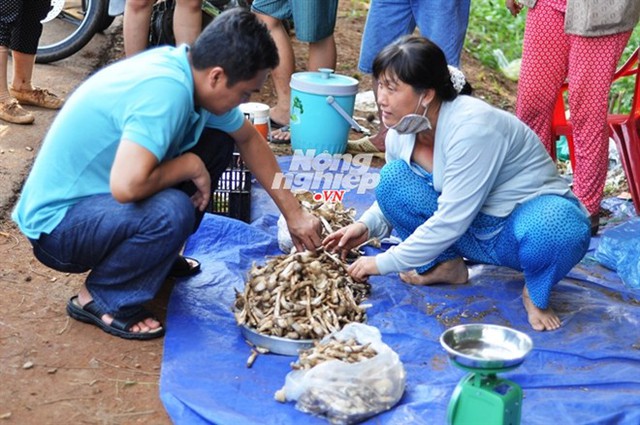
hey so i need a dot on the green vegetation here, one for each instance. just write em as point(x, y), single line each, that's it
point(491, 27)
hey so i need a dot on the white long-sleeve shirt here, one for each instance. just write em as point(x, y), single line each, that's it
point(485, 160)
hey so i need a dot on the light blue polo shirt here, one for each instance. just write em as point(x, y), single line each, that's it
point(148, 99)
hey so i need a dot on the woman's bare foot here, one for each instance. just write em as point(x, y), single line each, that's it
point(147, 325)
point(539, 319)
point(452, 272)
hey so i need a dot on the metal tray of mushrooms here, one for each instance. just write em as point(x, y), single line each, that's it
point(297, 298)
point(275, 344)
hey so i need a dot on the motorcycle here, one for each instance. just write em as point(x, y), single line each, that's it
point(71, 24)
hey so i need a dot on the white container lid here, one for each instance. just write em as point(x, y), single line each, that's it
point(258, 110)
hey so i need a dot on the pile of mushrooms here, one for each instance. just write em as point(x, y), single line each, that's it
point(300, 296)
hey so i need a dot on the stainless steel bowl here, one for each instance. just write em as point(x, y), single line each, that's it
point(482, 346)
point(277, 345)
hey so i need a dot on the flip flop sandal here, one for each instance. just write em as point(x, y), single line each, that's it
point(276, 125)
point(364, 145)
point(184, 266)
point(283, 129)
point(92, 314)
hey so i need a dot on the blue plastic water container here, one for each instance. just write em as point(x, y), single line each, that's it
point(321, 109)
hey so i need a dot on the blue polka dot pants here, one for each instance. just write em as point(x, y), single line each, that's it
point(543, 238)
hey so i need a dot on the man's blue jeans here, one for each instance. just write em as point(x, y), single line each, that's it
point(130, 248)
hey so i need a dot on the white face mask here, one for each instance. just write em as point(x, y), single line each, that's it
point(413, 123)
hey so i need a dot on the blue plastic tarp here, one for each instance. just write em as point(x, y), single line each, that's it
point(587, 372)
point(619, 250)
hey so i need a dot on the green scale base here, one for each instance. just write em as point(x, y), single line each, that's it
point(481, 398)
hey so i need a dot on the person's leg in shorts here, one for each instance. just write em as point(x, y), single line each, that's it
point(445, 23)
point(396, 17)
point(442, 21)
point(314, 23)
point(273, 13)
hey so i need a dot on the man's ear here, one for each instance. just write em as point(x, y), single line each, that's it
point(216, 76)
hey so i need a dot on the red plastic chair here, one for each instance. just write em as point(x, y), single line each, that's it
point(624, 129)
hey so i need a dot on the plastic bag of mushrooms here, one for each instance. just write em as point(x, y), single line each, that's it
point(347, 377)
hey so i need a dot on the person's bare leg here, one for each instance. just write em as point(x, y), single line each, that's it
point(135, 27)
point(378, 139)
point(23, 65)
point(322, 54)
point(22, 87)
point(4, 66)
point(281, 75)
point(147, 325)
point(539, 319)
point(187, 21)
point(10, 109)
point(451, 272)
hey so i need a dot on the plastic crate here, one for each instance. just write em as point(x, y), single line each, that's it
point(232, 198)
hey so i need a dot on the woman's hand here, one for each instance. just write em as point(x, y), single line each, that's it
point(513, 6)
point(345, 239)
point(362, 268)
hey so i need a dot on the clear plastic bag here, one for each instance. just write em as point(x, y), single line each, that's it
point(619, 250)
point(285, 243)
point(346, 393)
point(511, 70)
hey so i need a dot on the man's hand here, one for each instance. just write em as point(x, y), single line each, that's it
point(345, 239)
point(513, 6)
point(304, 227)
point(305, 230)
point(362, 268)
point(202, 181)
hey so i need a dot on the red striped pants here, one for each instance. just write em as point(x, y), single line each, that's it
point(549, 57)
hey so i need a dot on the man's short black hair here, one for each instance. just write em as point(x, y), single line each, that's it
point(238, 42)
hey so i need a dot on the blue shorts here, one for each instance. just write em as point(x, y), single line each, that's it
point(442, 21)
point(313, 20)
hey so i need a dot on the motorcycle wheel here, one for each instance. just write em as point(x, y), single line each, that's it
point(105, 22)
point(71, 29)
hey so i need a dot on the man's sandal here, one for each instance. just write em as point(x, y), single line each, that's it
point(92, 314)
point(184, 267)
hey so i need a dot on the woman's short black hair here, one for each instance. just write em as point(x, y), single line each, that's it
point(419, 62)
point(238, 42)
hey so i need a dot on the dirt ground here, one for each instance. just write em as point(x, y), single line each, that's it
point(58, 371)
